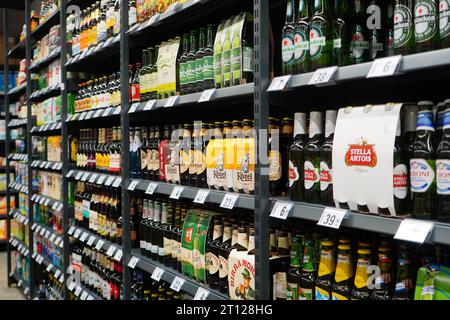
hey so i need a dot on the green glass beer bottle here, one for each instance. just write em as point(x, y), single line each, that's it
point(442, 169)
point(404, 27)
point(321, 35)
point(312, 158)
point(444, 23)
point(327, 268)
point(343, 16)
point(297, 158)
point(426, 25)
point(301, 38)
point(309, 273)
point(359, 46)
point(361, 290)
point(287, 40)
point(423, 164)
point(293, 274)
point(343, 276)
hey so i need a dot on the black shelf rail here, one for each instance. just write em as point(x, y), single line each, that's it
point(48, 233)
point(50, 91)
point(93, 114)
point(18, 51)
point(47, 165)
point(18, 156)
point(38, 64)
point(48, 128)
point(107, 180)
point(18, 89)
point(15, 123)
point(47, 201)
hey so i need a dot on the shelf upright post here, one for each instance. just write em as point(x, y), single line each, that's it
point(29, 149)
point(125, 131)
point(261, 106)
point(7, 139)
point(65, 144)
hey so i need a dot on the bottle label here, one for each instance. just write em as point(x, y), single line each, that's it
point(217, 68)
point(361, 273)
point(311, 175)
point(274, 165)
point(154, 160)
point(400, 181)
point(223, 267)
point(184, 161)
point(236, 53)
point(175, 244)
point(214, 263)
point(402, 25)
point(425, 24)
point(337, 296)
point(287, 49)
point(293, 174)
point(292, 291)
point(191, 76)
point(322, 294)
point(326, 176)
point(317, 41)
point(161, 251)
point(305, 294)
point(358, 46)
point(183, 78)
point(443, 176)
point(226, 65)
point(326, 265)
point(247, 59)
point(337, 43)
point(144, 160)
point(135, 92)
point(301, 46)
point(344, 268)
point(199, 70)
point(208, 68)
point(167, 247)
point(444, 18)
point(422, 174)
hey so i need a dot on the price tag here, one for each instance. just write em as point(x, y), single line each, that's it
point(174, 7)
point(69, 117)
point(414, 230)
point(46, 202)
point(55, 166)
point(332, 217)
point(109, 181)
point(78, 291)
point(151, 188)
point(77, 233)
point(279, 83)
point(26, 290)
point(118, 255)
point(42, 165)
point(106, 113)
point(149, 105)
point(85, 176)
point(101, 179)
point(39, 259)
point(52, 237)
point(201, 294)
point(26, 252)
point(133, 262)
point(38, 228)
point(384, 67)
point(83, 116)
point(91, 240)
point(34, 255)
point(153, 19)
point(84, 295)
point(55, 205)
point(83, 237)
point(57, 273)
point(117, 110)
point(229, 200)
point(133, 107)
point(98, 113)
point(42, 200)
point(90, 114)
point(25, 221)
point(171, 101)
point(71, 285)
point(157, 273)
point(111, 251)
point(90, 298)
point(117, 182)
point(58, 241)
point(100, 244)
point(60, 206)
point(42, 233)
point(207, 95)
point(47, 165)
point(61, 279)
point(49, 267)
point(133, 185)
point(177, 283)
point(201, 196)
point(79, 174)
point(19, 284)
point(69, 174)
point(59, 166)
point(176, 192)
point(323, 76)
point(47, 234)
point(93, 177)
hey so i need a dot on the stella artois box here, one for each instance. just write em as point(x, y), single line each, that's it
point(241, 275)
point(363, 151)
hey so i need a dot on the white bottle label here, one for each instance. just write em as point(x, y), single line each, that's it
point(422, 175)
point(293, 174)
point(326, 176)
point(400, 181)
point(311, 175)
point(443, 176)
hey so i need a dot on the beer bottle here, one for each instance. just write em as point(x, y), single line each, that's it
point(182, 62)
point(376, 29)
point(401, 194)
point(312, 158)
point(218, 56)
point(226, 54)
point(308, 274)
point(240, 167)
point(404, 289)
point(293, 274)
point(213, 254)
point(143, 153)
point(297, 159)
point(343, 277)
point(275, 158)
point(359, 46)
point(224, 252)
point(383, 284)
point(321, 35)
point(389, 32)
point(442, 170)
point(444, 23)
point(301, 38)
point(287, 40)
point(185, 158)
point(327, 268)
point(326, 165)
point(248, 132)
point(199, 60)
point(404, 42)
point(287, 130)
point(426, 25)
point(191, 63)
point(343, 11)
point(229, 156)
point(208, 59)
point(360, 290)
point(247, 49)
point(409, 135)
point(203, 141)
point(423, 165)
point(439, 120)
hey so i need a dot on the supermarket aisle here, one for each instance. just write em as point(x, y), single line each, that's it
point(5, 292)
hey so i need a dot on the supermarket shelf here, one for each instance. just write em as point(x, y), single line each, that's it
point(11, 192)
point(53, 90)
point(230, 93)
point(54, 54)
point(18, 156)
point(18, 90)
point(190, 286)
point(48, 233)
point(17, 123)
point(18, 187)
point(81, 291)
point(367, 222)
point(18, 216)
point(21, 284)
point(93, 114)
point(244, 201)
point(96, 178)
point(43, 28)
point(41, 259)
point(47, 201)
point(91, 239)
point(3, 216)
point(46, 165)
point(111, 46)
point(18, 51)
point(20, 246)
point(46, 128)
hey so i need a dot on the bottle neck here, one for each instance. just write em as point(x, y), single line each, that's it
point(218, 231)
point(251, 242)
point(242, 239)
point(315, 124)
point(290, 11)
point(226, 234)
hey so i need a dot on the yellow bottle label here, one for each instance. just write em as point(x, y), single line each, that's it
point(322, 294)
point(326, 265)
point(337, 296)
point(344, 268)
point(361, 273)
point(274, 165)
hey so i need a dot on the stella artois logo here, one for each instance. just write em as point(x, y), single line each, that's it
point(189, 235)
point(361, 154)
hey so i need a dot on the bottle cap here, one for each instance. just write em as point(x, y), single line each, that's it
point(344, 247)
point(364, 251)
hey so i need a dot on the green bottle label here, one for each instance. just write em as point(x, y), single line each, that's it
point(301, 46)
point(226, 66)
point(191, 72)
point(292, 291)
point(403, 25)
point(183, 73)
point(208, 68)
point(444, 18)
point(199, 70)
point(236, 63)
point(317, 41)
point(425, 22)
point(218, 68)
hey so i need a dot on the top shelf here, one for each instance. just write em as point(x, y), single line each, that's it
point(43, 28)
point(18, 51)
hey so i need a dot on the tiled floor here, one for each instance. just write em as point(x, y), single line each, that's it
point(7, 293)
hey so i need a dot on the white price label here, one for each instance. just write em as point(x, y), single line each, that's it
point(414, 230)
point(176, 192)
point(39, 259)
point(281, 210)
point(69, 174)
point(229, 200)
point(59, 166)
point(84, 295)
point(118, 255)
point(52, 237)
point(42, 232)
point(111, 251)
point(171, 101)
point(85, 176)
point(19, 284)
point(98, 113)
point(79, 174)
point(101, 179)
point(57, 273)
point(42, 164)
point(157, 273)
point(71, 285)
point(117, 110)
point(149, 105)
point(201, 196)
point(58, 241)
point(151, 188)
point(109, 181)
point(133, 185)
point(279, 83)
point(42, 200)
point(133, 262)
point(93, 177)
point(177, 284)
point(77, 233)
point(34, 255)
point(38, 228)
point(55, 166)
point(49, 267)
point(78, 291)
point(83, 116)
point(90, 298)
point(323, 76)
point(47, 234)
point(133, 107)
point(60, 206)
point(106, 113)
point(99, 244)
point(201, 294)
point(384, 67)
point(332, 217)
point(174, 7)
point(91, 240)
point(55, 205)
point(90, 114)
point(26, 290)
point(46, 202)
point(117, 182)
point(61, 279)
point(47, 165)
point(207, 95)
point(84, 236)
point(153, 19)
